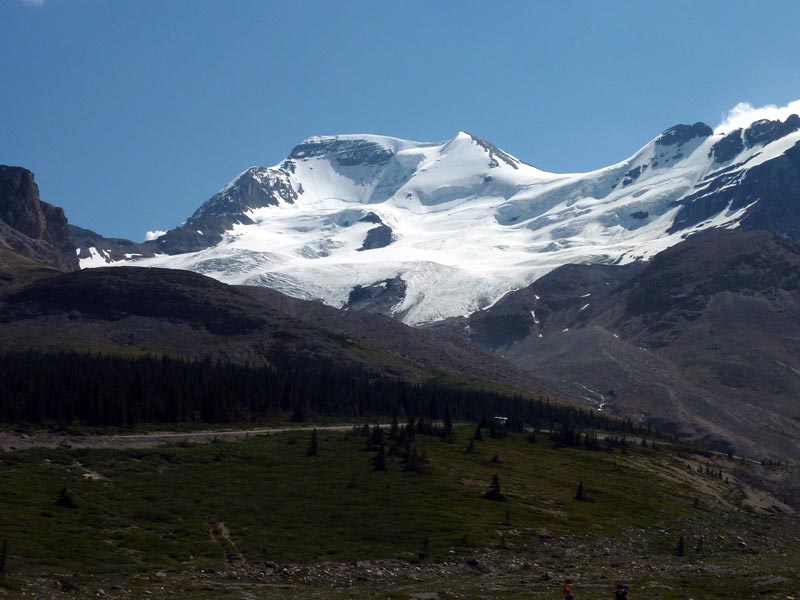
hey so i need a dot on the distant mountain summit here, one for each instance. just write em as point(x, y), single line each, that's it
point(455, 225)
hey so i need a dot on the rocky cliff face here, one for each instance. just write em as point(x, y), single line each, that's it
point(31, 227)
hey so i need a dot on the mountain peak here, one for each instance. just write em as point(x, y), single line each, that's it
point(682, 133)
point(461, 222)
point(496, 155)
point(346, 150)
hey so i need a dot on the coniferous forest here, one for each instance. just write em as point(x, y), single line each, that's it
point(111, 390)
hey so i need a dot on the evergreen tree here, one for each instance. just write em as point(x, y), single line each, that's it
point(579, 495)
point(496, 429)
point(300, 414)
point(376, 437)
point(98, 390)
point(380, 459)
point(448, 426)
point(425, 551)
point(413, 462)
point(313, 449)
point(495, 492)
point(65, 499)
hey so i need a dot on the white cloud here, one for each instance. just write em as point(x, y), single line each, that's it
point(33, 2)
point(744, 113)
point(153, 235)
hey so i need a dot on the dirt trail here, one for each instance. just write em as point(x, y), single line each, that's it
point(12, 440)
point(221, 534)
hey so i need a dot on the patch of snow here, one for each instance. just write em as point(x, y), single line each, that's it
point(96, 258)
point(469, 227)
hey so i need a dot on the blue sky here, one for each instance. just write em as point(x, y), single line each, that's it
point(132, 113)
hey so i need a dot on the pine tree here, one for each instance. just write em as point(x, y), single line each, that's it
point(425, 551)
point(579, 495)
point(495, 492)
point(313, 449)
point(376, 437)
point(380, 458)
point(65, 499)
point(413, 461)
point(496, 429)
point(448, 426)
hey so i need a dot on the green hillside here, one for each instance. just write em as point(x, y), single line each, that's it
point(147, 520)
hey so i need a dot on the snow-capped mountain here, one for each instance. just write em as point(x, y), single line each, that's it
point(426, 231)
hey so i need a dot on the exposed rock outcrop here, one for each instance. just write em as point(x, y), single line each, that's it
point(31, 227)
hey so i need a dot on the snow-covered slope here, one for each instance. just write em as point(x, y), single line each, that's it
point(447, 228)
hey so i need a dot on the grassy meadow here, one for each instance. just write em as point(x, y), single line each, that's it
point(231, 507)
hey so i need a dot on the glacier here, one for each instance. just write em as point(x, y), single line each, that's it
point(460, 222)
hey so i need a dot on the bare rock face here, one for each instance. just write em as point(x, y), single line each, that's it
point(114, 249)
point(31, 227)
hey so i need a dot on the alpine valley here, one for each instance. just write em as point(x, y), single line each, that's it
point(589, 377)
point(664, 288)
point(463, 237)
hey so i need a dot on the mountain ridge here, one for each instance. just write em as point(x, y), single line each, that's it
point(701, 340)
point(460, 223)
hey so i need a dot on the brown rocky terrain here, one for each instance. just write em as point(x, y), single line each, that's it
point(31, 227)
point(703, 339)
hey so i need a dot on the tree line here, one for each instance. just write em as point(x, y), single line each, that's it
point(99, 389)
